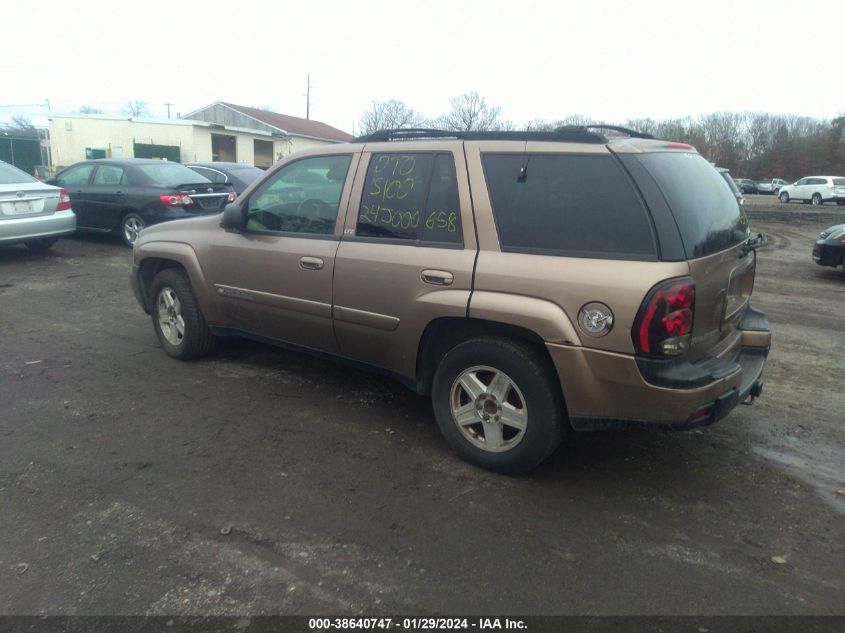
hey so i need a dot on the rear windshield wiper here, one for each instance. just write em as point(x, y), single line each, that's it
point(752, 244)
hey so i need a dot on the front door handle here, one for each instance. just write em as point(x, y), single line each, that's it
point(311, 263)
point(437, 277)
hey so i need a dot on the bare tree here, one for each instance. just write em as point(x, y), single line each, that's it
point(469, 112)
point(136, 109)
point(22, 125)
point(544, 125)
point(388, 115)
point(87, 109)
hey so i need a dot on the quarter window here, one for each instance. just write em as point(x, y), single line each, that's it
point(412, 197)
point(302, 197)
point(575, 205)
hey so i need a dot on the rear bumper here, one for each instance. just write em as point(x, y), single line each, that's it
point(612, 391)
point(25, 229)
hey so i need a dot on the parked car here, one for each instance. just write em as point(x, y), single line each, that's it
point(726, 175)
point(31, 212)
point(239, 175)
point(777, 183)
point(829, 249)
point(123, 196)
point(746, 185)
point(815, 189)
point(531, 283)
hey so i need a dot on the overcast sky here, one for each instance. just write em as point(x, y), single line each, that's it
point(608, 60)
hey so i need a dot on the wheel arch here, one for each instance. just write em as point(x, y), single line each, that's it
point(153, 257)
point(444, 333)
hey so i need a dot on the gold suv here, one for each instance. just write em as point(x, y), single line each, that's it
point(531, 283)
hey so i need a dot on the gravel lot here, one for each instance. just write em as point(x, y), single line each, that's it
point(261, 481)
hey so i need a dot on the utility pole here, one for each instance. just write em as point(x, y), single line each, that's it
point(307, 96)
point(168, 108)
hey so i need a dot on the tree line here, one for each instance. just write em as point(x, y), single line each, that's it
point(753, 145)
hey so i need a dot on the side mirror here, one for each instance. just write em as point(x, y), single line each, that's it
point(233, 217)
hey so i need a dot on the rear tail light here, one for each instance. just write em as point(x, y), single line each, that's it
point(231, 197)
point(674, 145)
point(64, 201)
point(663, 326)
point(176, 199)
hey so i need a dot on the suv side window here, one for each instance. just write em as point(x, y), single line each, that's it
point(75, 176)
point(109, 175)
point(412, 197)
point(576, 205)
point(302, 197)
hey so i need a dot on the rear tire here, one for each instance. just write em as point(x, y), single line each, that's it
point(130, 225)
point(39, 246)
point(177, 318)
point(784, 197)
point(816, 199)
point(515, 387)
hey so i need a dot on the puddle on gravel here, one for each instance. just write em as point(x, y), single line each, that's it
point(822, 467)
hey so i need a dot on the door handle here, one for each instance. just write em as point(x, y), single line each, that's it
point(310, 263)
point(437, 277)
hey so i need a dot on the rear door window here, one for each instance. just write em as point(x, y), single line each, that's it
point(578, 205)
point(110, 176)
point(706, 212)
point(411, 197)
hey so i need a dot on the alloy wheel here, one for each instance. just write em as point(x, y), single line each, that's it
point(489, 409)
point(170, 319)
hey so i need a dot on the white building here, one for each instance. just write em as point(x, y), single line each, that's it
point(218, 132)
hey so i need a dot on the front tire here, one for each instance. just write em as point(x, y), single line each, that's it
point(130, 226)
point(498, 404)
point(177, 318)
point(784, 197)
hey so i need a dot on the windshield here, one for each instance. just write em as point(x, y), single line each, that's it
point(171, 174)
point(10, 175)
point(706, 210)
point(839, 182)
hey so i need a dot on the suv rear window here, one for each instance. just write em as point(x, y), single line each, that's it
point(707, 213)
point(839, 182)
point(575, 205)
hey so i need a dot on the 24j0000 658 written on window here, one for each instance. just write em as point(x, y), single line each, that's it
point(411, 197)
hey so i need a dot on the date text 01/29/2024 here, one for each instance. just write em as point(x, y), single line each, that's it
point(415, 624)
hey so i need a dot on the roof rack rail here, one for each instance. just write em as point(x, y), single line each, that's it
point(571, 134)
point(402, 134)
point(601, 126)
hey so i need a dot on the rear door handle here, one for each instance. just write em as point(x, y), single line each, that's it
point(311, 263)
point(437, 277)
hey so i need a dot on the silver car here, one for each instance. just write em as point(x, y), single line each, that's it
point(31, 212)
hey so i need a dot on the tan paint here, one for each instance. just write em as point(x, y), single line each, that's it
point(371, 301)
